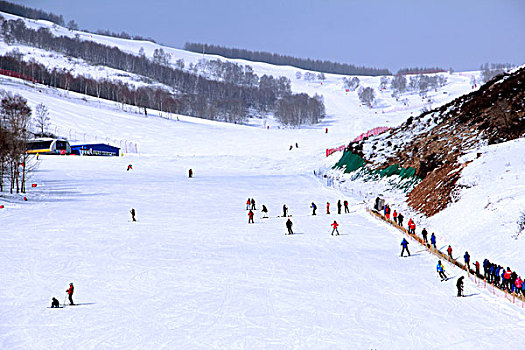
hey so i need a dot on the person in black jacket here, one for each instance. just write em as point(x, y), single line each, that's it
point(400, 219)
point(289, 225)
point(314, 208)
point(459, 285)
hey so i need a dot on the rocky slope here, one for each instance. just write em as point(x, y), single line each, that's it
point(432, 142)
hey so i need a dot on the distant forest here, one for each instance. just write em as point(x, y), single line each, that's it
point(281, 60)
point(195, 95)
point(19, 10)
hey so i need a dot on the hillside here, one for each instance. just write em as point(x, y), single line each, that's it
point(433, 142)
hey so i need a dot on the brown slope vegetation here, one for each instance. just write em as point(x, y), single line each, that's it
point(432, 142)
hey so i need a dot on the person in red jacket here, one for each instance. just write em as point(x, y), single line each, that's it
point(328, 207)
point(335, 225)
point(69, 292)
point(476, 264)
point(394, 216)
point(250, 217)
point(387, 212)
point(449, 251)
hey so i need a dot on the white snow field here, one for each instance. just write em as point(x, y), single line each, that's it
point(192, 274)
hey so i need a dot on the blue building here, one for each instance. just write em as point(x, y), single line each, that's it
point(95, 149)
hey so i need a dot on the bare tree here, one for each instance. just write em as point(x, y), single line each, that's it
point(15, 117)
point(367, 96)
point(41, 118)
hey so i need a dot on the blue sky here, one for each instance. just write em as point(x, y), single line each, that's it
point(462, 34)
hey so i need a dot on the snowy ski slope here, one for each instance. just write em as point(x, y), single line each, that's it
point(192, 274)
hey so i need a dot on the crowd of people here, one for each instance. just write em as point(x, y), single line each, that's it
point(505, 279)
point(250, 206)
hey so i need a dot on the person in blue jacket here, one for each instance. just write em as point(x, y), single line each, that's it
point(467, 260)
point(441, 271)
point(314, 208)
point(433, 240)
point(404, 243)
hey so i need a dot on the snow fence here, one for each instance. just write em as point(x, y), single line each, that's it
point(477, 279)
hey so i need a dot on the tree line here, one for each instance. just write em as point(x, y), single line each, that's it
point(283, 60)
point(196, 95)
point(23, 11)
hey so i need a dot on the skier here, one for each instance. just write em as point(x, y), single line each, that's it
point(339, 206)
point(314, 208)
point(285, 210)
point(130, 167)
point(250, 217)
point(449, 251)
point(467, 260)
point(253, 204)
point(433, 240)
point(289, 225)
point(296, 145)
point(394, 216)
point(441, 271)
point(411, 226)
point(248, 202)
point(345, 203)
point(291, 147)
point(335, 225)
point(264, 210)
point(459, 285)
point(425, 233)
point(387, 212)
point(54, 303)
point(327, 208)
point(400, 218)
point(326, 131)
point(132, 211)
point(69, 292)
point(404, 243)
point(190, 173)
point(476, 264)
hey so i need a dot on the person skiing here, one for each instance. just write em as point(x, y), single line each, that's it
point(327, 208)
point(190, 173)
point(132, 211)
point(345, 203)
point(54, 303)
point(387, 212)
point(130, 167)
point(326, 131)
point(291, 147)
point(69, 292)
point(253, 204)
point(394, 216)
point(250, 217)
point(285, 210)
point(404, 243)
point(289, 225)
point(433, 240)
point(476, 265)
point(425, 233)
point(459, 285)
point(335, 225)
point(296, 145)
point(411, 226)
point(449, 251)
point(264, 210)
point(314, 208)
point(339, 207)
point(441, 271)
point(248, 202)
point(467, 260)
point(400, 218)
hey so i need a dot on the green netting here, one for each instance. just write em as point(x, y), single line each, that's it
point(352, 163)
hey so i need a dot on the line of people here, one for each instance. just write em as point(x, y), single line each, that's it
point(505, 279)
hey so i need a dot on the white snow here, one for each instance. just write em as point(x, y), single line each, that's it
point(192, 274)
